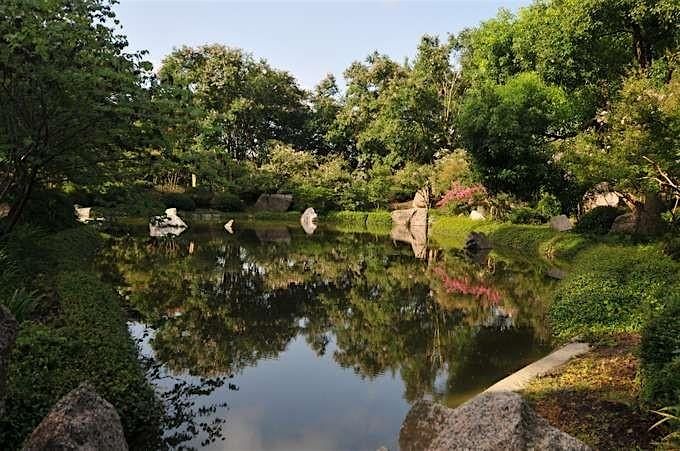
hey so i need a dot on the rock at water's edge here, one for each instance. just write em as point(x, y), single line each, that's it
point(476, 216)
point(490, 421)
point(561, 223)
point(8, 334)
point(81, 420)
point(308, 221)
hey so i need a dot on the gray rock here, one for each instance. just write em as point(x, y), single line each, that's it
point(229, 226)
point(8, 334)
point(273, 202)
point(81, 420)
point(556, 273)
point(308, 221)
point(561, 223)
point(477, 241)
point(490, 421)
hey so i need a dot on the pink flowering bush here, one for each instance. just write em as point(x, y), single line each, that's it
point(460, 195)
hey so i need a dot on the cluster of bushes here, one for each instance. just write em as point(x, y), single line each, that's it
point(79, 334)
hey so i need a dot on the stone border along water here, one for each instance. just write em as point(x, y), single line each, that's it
point(520, 379)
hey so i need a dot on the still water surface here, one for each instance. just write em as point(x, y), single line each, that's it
point(274, 339)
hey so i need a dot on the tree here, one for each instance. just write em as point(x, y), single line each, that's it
point(509, 129)
point(636, 147)
point(71, 97)
point(401, 113)
point(244, 102)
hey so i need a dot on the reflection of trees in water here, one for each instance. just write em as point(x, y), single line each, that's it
point(232, 303)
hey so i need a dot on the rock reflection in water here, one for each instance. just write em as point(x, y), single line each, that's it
point(359, 310)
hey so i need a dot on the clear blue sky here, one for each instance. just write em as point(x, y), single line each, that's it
point(308, 39)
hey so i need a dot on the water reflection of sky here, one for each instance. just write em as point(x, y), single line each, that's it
point(300, 401)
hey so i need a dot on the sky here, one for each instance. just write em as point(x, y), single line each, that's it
point(309, 39)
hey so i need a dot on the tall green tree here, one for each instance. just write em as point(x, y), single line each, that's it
point(509, 130)
point(71, 96)
point(243, 102)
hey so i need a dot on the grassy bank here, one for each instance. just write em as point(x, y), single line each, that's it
point(72, 330)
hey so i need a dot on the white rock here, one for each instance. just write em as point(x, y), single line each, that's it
point(228, 226)
point(308, 221)
point(476, 216)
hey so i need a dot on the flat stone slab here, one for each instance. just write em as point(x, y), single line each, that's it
point(519, 380)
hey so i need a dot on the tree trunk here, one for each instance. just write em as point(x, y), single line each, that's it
point(18, 207)
point(648, 215)
point(641, 48)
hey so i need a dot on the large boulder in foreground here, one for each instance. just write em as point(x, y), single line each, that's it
point(8, 334)
point(81, 420)
point(490, 421)
point(273, 202)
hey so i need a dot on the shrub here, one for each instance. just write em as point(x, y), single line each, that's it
point(454, 167)
point(548, 206)
point(89, 343)
point(598, 220)
point(671, 247)
point(50, 210)
point(179, 201)
point(526, 215)
point(660, 356)
point(201, 196)
point(226, 201)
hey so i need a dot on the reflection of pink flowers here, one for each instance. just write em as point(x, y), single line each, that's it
point(460, 194)
point(463, 286)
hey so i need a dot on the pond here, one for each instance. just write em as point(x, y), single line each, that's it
point(271, 338)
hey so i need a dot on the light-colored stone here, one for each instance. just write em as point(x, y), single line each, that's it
point(82, 213)
point(168, 224)
point(561, 223)
point(419, 218)
point(402, 217)
point(81, 420)
point(556, 273)
point(416, 236)
point(422, 198)
point(520, 379)
point(476, 216)
point(8, 334)
point(4, 210)
point(273, 202)
point(600, 196)
point(229, 226)
point(308, 221)
point(490, 421)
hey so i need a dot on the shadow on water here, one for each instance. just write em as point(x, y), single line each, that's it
point(330, 337)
